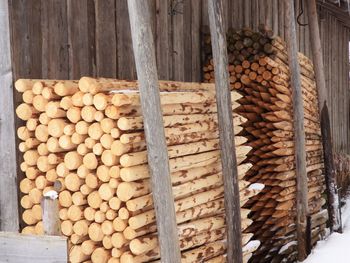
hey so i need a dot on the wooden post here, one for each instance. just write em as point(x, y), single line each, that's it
point(331, 183)
point(8, 174)
point(299, 132)
point(51, 220)
point(227, 145)
point(158, 161)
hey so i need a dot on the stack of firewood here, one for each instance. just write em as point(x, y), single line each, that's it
point(258, 66)
point(86, 139)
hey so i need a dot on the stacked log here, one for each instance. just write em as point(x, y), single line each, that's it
point(86, 138)
point(258, 67)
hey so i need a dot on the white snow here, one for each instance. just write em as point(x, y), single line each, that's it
point(336, 247)
point(256, 186)
point(52, 194)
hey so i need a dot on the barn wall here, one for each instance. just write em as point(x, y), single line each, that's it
point(68, 39)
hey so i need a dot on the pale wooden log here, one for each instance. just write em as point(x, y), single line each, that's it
point(81, 227)
point(177, 164)
point(106, 192)
point(56, 126)
point(114, 203)
point(29, 218)
point(75, 213)
point(184, 244)
point(44, 119)
point(62, 170)
point(73, 160)
point(138, 158)
point(85, 190)
point(88, 246)
point(66, 102)
point(83, 171)
point(89, 213)
point(82, 127)
point(109, 159)
point(39, 103)
point(24, 111)
point(124, 213)
point(115, 133)
point(77, 99)
point(91, 181)
point(106, 141)
point(53, 110)
point(26, 203)
point(65, 142)
point(23, 133)
point(90, 161)
point(87, 113)
point(74, 114)
point(76, 254)
point(107, 125)
point(31, 124)
point(180, 205)
point(49, 94)
point(67, 227)
point(78, 138)
point(204, 252)
point(65, 198)
point(118, 240)
point(100, 255)
point(94, 86)
point(95, 232)
point(133, 98)
point(97, 149)
point(102, 173)
point(22, 85)
point(94, 199)
point(66, 88)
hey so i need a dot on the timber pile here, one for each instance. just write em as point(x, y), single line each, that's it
point(87, 139)
point(258, 67)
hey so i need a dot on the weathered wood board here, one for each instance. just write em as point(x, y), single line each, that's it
point(17, 248)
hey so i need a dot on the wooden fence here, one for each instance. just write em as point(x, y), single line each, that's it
point(68, 39)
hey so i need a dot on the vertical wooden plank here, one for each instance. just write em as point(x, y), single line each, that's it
point(268, 14)
point(106, 39)
point(226, 133)
point(205, 18)
point(281, 19)
point(299, 131)
point(332, 191)
point(26, 47)
point(178, 41)
point(239, 11)
point(196, 41)
point(246, 13)
point(154, 131)
point(26, 38)
point(234, 13)
point(126, 64)
point(275, 17)
point(8, 175)
point(255, 14)
point(54, 26)
point(163, 39)
point(261, 11)
point(79, 39)
point(187, 40)
point(50, 214)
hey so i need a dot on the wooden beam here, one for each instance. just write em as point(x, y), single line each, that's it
point(299, 131)
point(51, 220)
point(331, 182)
point(17, 248)
point(227, 145)
point(158, 160)
point(8, 174)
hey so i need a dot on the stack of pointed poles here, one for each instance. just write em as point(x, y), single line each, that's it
point(258, 66)
point(86, 139)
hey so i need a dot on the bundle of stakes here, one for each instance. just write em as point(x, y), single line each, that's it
point(86, 140)
point(258, 66)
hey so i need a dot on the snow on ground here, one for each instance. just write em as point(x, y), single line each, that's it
point(336, 248)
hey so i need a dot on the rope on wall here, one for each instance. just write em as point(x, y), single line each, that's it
point(301, 7)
